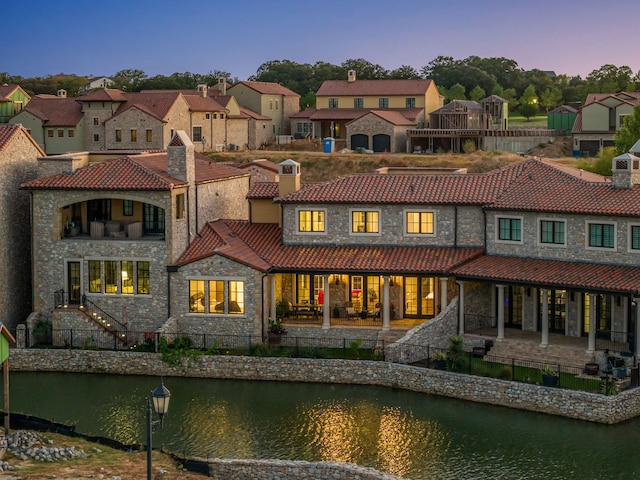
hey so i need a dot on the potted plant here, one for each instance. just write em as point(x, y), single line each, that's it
point(550, 376)
point(592, 367)
point(336, 311)
point(439, 359)
point(276, 331)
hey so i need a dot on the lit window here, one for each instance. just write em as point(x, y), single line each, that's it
point(126, 274)
point(143, 278)
point(311, 221)
point(95, 278)
point(364, 222)
point(196, 296)
point(216, 296)
point(420, 223)
point(110, 276)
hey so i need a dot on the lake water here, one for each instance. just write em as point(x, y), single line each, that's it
point(404, 433)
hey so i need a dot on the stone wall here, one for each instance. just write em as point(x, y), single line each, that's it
point(278, 469)
point(567, 403)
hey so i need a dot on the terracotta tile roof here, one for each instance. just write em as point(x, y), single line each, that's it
point(9, 131)
point(259, 246)
point(55, 111)
point(543, 187)
point(373, 87)
point(391, 116)
point(104, 95)
point(354, 113)
point(306, 113)
point(203, 104)
point(256, 116)
point(375, 188)
point(156, 104)
point(263, 190)
point(136, 172)
point(552, 273)
point(260, 163)
point(267, 88)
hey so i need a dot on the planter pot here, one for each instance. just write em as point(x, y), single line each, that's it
point(275, 338)
point(439, 364)
point(550, 380)
point(591, 368)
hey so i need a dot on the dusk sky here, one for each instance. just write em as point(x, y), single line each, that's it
point(46, 37)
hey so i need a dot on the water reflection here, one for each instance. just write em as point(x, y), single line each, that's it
point(408, 434)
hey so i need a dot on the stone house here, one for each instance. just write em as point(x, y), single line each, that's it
point(18, 163)
point(12, 100)
point(105, 228)
point(522, 248)
point(270, 100)
point(598, 120)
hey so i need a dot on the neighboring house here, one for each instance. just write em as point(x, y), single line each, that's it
point(12, 100)
point(105, 230)
point(55, 122)
point(94, 83)
point(341, 102)
point(523, 247)
point(599, 119)
point(18, 164)
point(270, 100)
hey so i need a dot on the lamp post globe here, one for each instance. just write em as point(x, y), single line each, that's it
point(158, 402)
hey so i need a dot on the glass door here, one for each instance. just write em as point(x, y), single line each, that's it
point(73, 282)
point(420, 295)
point(556, 309)
point(512, 306)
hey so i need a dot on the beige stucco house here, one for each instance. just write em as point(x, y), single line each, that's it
point(599, 119)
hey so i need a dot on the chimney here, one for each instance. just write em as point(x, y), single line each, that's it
point(62, 93)
point(289, 177)
point(180, 161)
point(351, 76)
point(626, 171)
point(222, 86)
point(202, 90)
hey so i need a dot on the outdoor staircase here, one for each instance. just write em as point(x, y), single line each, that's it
point(529, 349)
point(390, 336)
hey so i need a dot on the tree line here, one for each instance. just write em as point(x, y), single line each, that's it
point(472, 78)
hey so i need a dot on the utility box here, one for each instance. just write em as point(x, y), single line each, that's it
point(329, 145)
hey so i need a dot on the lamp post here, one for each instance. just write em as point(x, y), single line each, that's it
point(160, 402)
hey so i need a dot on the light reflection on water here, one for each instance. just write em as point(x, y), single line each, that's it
point(404, 433)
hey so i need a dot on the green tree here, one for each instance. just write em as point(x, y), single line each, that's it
point(601, 164)
point(529, 103)
point(128, 80)
point(405, 72)
point(550, 98)
point(477, 93)
point(364, 69)
point(629, 134)
point(610, 79)
point(456, 92)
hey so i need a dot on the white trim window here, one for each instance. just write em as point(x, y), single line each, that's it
point(419, 222)
point(634, 237)
point(217, 296)
point(552, 232)
point(365, 222)
point(601, 235)
point(311, 221)
point(509, 229)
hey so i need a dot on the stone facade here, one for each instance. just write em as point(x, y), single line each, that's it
point(523, 396)
point(372, 124)
point(18, 163)
point(138, 121)
point(450, 227)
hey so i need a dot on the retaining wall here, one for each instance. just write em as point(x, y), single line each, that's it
point(567, 403)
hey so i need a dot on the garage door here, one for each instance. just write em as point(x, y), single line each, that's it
point(381, 143)
point(589, 148)
point(359, 140)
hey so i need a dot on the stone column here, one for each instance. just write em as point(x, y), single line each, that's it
point(545, 319)
point(500, 313)
point(443, 293)
point(591, 346)
point(386, 304)
point(326, 311)
point(461, 307)
point(272, 296)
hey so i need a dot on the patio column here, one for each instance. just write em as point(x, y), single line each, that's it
point(500, 313)
point(326, 311)
point(272, 296)
point(443, 293)
point(545, 319)
point(591, 346)
point(461, 307)
point(386, 309)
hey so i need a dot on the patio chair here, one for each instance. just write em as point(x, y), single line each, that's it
point(351, 312)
